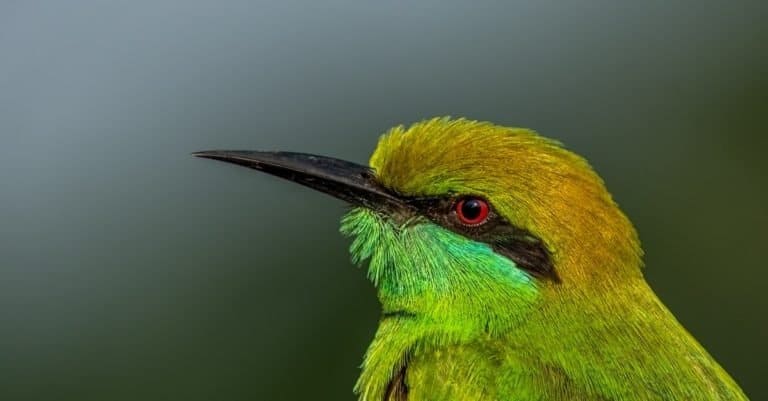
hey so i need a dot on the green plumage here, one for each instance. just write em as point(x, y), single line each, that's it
point(472, 326)
point(505, 270)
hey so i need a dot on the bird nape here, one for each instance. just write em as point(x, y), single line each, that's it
point(505, 271)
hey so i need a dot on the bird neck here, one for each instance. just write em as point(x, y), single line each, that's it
point(600, 336)
point(613, 334)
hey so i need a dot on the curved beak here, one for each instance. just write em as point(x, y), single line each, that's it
point(351, 182)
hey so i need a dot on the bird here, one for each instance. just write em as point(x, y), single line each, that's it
point(504, 269)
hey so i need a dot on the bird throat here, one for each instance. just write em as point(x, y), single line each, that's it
point(436, 287)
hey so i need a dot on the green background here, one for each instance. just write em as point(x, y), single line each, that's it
point(132, 271)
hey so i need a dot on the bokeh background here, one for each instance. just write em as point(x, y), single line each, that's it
point(132, 271)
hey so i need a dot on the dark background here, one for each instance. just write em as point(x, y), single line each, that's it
point(132, 271)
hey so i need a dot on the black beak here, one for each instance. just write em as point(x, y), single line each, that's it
point(345, 180)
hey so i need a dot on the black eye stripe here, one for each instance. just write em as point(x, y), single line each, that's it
point(519, 245)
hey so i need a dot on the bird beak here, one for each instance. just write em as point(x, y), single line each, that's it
point(351, 182)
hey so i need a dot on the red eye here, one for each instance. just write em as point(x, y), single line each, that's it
point(472, 211)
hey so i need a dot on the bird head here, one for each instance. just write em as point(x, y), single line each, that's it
point(469, 227)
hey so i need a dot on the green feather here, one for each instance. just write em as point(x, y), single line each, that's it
point(463, 322)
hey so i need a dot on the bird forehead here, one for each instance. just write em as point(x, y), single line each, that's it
point(441, 155)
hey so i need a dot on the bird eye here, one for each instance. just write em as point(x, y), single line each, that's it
point(472, 211)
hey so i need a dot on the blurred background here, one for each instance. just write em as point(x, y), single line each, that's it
point(130, 270)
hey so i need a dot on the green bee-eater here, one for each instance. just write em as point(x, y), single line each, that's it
point(505, 272)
